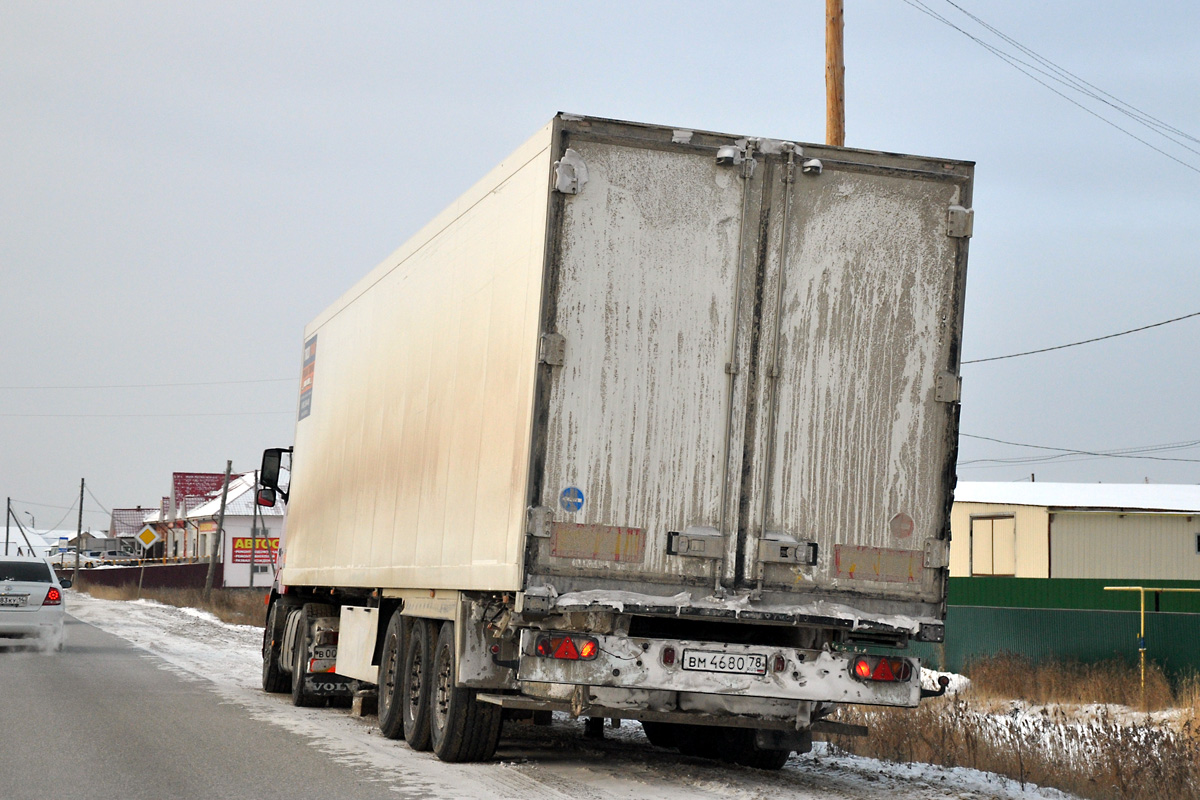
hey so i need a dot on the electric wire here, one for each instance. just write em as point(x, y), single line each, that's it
point(59, 508)
point(1028, 70)
point(131, 416)
point(1084, 86)
point(53, 527)
point(96, 500)
point(156, 385)
point(1129, 452)
point(1085, 341)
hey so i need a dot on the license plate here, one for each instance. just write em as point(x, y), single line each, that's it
point(12, 600)
point(734, 663)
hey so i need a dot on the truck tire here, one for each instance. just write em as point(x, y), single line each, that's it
point(462, 728)
point(702, 741)
point(274, 679)
point(391, 670)
point(308, 611)
point(415, 685)
point(739, 748)
point(661, 734)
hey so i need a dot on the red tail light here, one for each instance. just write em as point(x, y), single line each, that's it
point(53, 597)
point(568, 648)
point(668, 656)
point(883, 670)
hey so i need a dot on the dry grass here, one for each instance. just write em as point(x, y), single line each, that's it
point(1099, 755)
point(1010, 677)
point(236, 606)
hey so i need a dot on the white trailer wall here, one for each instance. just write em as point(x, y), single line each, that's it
point(411, 467)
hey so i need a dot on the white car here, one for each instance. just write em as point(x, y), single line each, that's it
point(31, 602)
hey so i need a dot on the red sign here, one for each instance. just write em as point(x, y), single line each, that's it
point(265, 551)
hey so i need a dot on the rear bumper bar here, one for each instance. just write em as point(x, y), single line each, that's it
point(646, 664)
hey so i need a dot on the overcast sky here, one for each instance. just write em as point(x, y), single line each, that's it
point(183, 186)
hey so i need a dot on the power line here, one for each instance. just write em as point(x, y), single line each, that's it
point(53, 527)
point(1085, 341)
point(96, 500)
point(1129, 452)
point(59, 508)
point(1085, 87)
point(118, 416)
point(1025, 68)
point(156, 385)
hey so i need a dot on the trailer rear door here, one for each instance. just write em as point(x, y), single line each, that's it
point(852, 452)
point(643, 289)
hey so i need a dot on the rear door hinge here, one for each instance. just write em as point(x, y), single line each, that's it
point(960, 222)
point(937, 553)
point(948, 388)
point(539, 522)
point(552, 349)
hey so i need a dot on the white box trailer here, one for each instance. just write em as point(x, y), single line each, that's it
point(651, 423)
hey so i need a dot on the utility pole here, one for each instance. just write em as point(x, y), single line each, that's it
point(79, 533)
point(7, 516)
point(254, 516)
point(835, 76)
point(220, 534)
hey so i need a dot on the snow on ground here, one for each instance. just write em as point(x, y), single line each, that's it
point(550, 762)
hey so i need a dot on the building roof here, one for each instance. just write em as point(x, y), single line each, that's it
point(240, 502)
point(1124, 496)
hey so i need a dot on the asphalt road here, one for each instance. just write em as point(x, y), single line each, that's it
point(103, 719)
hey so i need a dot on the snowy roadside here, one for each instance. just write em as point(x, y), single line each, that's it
point(549, 762)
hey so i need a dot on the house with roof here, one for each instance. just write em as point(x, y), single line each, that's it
point(1146, 532)
point(1049, 570)
point(249, 548)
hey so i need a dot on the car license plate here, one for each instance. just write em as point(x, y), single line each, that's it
point(12, 599)
point(734, 663)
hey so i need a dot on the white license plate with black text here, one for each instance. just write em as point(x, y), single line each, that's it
point(12, 600)
point(733, 663)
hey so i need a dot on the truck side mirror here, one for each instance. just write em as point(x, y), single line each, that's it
point(268, 476)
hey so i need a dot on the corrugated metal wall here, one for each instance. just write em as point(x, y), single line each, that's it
point(1065, 620)
point(1133, 546)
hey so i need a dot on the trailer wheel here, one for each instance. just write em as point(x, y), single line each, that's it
point(391, 684)
point(274, 679)
point(740, 748)
point(415, 685)
point(702, 741)
point(661, 734)
point(462, 727)
point(308, 611)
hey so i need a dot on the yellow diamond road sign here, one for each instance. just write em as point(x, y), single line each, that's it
point(147, 536)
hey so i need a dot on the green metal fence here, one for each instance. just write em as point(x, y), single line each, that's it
point(1066, 619)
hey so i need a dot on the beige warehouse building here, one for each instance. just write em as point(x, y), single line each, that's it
point(1076, 530)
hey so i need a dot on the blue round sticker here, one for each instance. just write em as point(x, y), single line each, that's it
point(571, 499)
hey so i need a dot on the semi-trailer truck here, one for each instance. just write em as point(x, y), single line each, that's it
point(652, 423)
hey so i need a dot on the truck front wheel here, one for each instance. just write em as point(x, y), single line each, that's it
point(415, 685)
point(462, 727)
point(391, 683)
